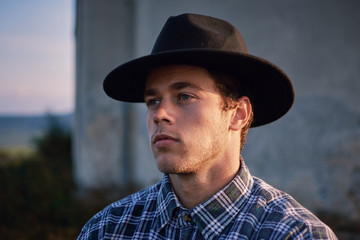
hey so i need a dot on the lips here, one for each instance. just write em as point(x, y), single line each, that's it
point(163, 140)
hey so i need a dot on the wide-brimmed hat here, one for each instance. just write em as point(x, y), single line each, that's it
point(193, 39)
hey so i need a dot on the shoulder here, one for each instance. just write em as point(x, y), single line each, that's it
point(280, 216)
point(123, 212)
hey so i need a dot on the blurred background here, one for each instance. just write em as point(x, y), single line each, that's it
point(67, 150)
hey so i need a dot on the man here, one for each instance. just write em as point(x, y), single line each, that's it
point(203, 92)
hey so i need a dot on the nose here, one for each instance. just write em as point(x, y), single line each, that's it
point(163, 113)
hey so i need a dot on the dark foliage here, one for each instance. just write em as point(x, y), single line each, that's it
point(37, 191)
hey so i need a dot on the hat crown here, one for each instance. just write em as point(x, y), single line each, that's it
point(192, 31)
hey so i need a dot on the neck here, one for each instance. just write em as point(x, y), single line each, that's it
point(195, 188)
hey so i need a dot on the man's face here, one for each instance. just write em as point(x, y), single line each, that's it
point(187, 127)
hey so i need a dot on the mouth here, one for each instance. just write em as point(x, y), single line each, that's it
point(163, 140)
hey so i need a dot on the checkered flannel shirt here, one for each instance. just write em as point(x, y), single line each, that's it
point(247, 208)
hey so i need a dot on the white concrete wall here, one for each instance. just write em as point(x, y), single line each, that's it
point(313, 152)
point(99, 121)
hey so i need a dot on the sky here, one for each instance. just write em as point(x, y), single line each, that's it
point(36, 57)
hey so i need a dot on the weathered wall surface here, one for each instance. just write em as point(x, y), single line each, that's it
point(99, 130)
point(312, 153)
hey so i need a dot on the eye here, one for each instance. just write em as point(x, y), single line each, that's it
point(152, 102)
point(183, 97)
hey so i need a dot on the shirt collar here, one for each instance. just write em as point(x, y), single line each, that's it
point(166, 202)
point(213, 215)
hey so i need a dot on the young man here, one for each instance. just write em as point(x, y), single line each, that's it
point(203, 92)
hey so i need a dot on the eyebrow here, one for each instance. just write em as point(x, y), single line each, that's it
point(182, 85)
point(174, 86)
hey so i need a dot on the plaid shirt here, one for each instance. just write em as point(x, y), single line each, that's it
point(247, 208)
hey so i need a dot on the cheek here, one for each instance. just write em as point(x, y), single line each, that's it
point(199, 124)
point(149, 123)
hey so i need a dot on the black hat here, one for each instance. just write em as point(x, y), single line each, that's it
point(192, 39)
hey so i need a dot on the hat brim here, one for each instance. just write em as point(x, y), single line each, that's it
point(272, 93)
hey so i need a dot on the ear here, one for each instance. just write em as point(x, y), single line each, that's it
point(241, 114)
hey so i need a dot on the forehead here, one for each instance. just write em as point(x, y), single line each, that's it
point(164, 76)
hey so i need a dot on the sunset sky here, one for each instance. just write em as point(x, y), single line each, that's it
point(36, 56)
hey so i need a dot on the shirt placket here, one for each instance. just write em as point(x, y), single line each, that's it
point(187, 226)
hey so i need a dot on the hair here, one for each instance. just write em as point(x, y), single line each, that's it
point(231, 90)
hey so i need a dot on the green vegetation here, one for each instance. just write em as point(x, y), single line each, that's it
point(37, 189)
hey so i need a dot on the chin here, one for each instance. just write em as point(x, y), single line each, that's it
point(173, 165)
point(170, 169)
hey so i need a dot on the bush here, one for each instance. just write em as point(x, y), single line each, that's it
point(37, 190)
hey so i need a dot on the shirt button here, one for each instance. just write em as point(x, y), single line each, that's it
point(187, 218)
